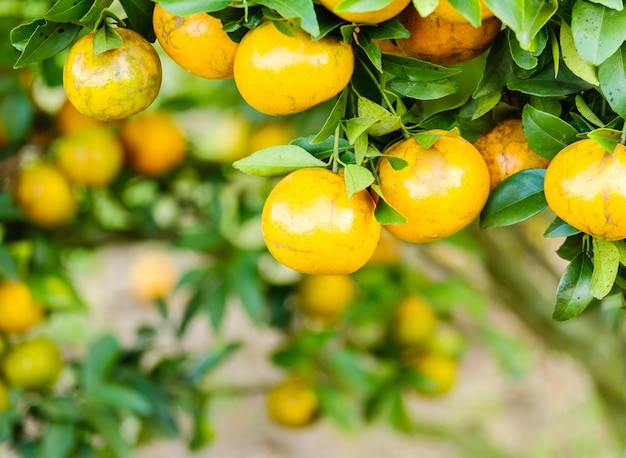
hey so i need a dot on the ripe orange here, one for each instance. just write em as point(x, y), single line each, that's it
point(447, 12)
point(506, 151)
point(152, 276)
point(439, 372)
point(389, 47)
point(442, 190)
point(34, 364)
point(370, 17)
point(154, 143)
point(18, 310)
point(414, 322)
point(279, 74)
point(270, 133)
point(326, 296)
point(114, 84)
point(387, 251)
point(292, 403)
point(197, 43)
point(311, 226)
point(91, 156)
point(224, 138)
point(441, 42)
point(45, 196)
point(584, 186)
point(68, 119)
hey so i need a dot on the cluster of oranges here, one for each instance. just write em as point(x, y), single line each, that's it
point(430, 351)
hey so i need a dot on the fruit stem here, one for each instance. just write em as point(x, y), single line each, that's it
point(336, 149)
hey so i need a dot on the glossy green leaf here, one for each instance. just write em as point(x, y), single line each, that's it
point(209, 361)
point(46, 41)
point(423, 90)
point(386, 121)
point(612, 76)
point(386, 30)
point(21, 35)
point(101, 358)
point(301, 9)
point(427, 139)
point(606, 138)
point(139, 14)
point(120, 397)
point(411, 69)
point(372, 51)
point(67, 10)
point(515, 199)
point(498, 68)
point(470, 9)
point(355, 127)
point(559, 228)
point(425, 7)
point(524, 17)
point(586, 112)
point(546, 134)
point(605, 265)
point(186, 7)
point(357, 178)
point(385, 213)
point(361, 6)
point(598, 31)
point(92, 17)
point(106, 39)
point(572, 59)
point(334, 118)
point(545, 84)
point(574, 292)
point(277, 160)
point(523, 58)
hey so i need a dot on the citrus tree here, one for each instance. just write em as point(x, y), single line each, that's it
point(339, 145)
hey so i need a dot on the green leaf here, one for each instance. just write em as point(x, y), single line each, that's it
point(187, 7)
point(546, 84)
point(277, 160)
point(21, 34)
point(469, 9)
point(357, 178)
point(209, 361)
point(385, 213)
point(109, 427)
point(106, 39)
point(361, 6)
point(427, 139)
point(586, 112)
point(498, 69)
point(574, 292)
point(68, 10)
point(511, 353)
point(244, 281)
point(101, 358)
point(372, 51)
point(391, 29)
point(515, 199)
point(385, 120)
point(598, 31)
point(559, 228)
point(47, 40)
point(523, 58)
point(120, 397)
point(334, 118)
point(337, 405)
point(411, 69)
point(139, 14)
point(425, 7)
point(7, 264)
point(302, 9)
point(524, 17)
point(423, 90)
point(606, 138)
point(59, 440)
point(546, 134)
point(355, 127)
point(605, 265)
point(612, 76)
point(55, 291)
point(572, 59)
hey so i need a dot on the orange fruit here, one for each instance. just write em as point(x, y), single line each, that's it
point(326, 296)
point(292, 403)
point(584, 187)
point(152, 276)
point(91, 156)
point(438, 371)
point(447, 12)
point(311, 226)
point(196, 42)
point(18, 310)
point(69, 119)
point(414, 322)
point(270, 133)
point(389, 47)
point(34, 364)
point(114, 84)
point(442, 190)
point(224, 138)
point(154, 143)
point(506, 151)
point(387, 251)
point(369, 17)
point(45, 196)
point(441, 42)
point(279, 74)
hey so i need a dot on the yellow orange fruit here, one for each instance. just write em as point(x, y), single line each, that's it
point(584, 186)
point(414, 322)
point(154, 143)
point(270, 133)
point(152, 276)
point(279, 74)
point(326, 296)
point(34, 364)
point(388, 250)
point(69, 119)
point(196, 42)
point(114, 84)
point(439, 373)
point(367, 17)
point(18, 310)
point(292, 403)
point(311, 226)
point(506, 151)
point(442, 190)
point(441, 42)
point(90, 156)
point(45, 196)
